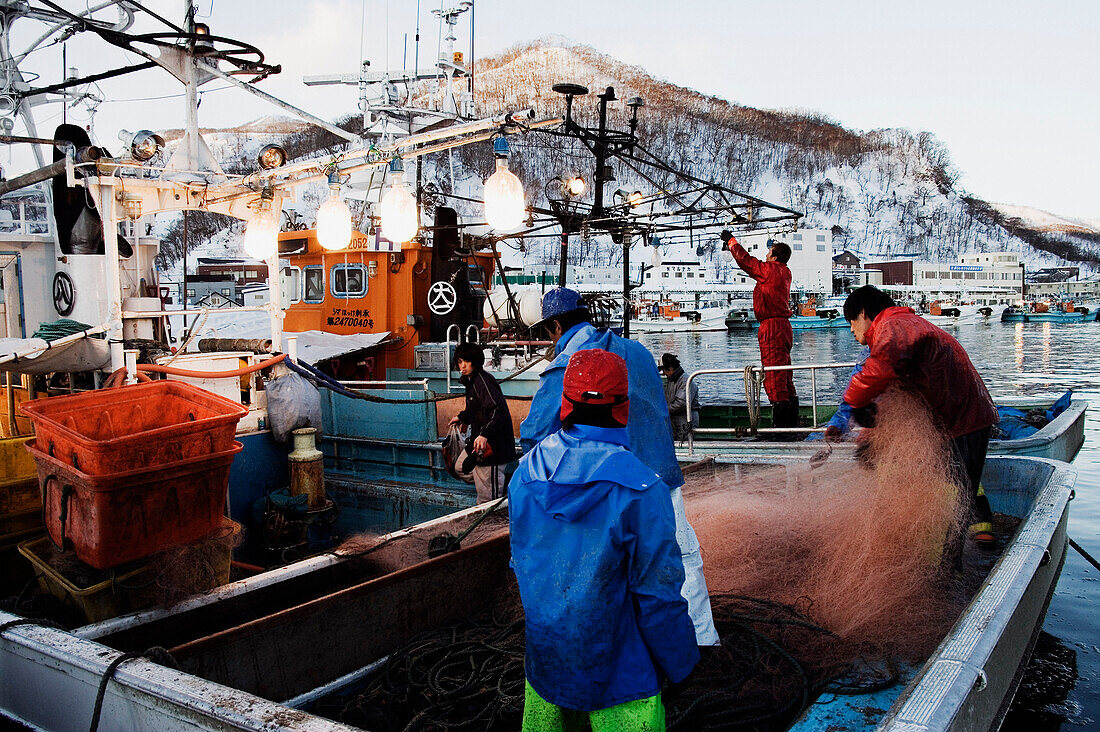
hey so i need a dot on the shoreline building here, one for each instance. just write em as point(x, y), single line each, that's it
point(986, 278)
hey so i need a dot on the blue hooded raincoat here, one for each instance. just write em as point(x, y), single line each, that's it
point(599, 571)
point(649, 426)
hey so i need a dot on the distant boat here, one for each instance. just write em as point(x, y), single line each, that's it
point(809, 316)
point(741, 319)
point(666, 316)
point(1042, 312)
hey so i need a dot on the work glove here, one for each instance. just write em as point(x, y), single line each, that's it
point(865, 416)
point(470, 462)
point(726, 235)
point(833, 434)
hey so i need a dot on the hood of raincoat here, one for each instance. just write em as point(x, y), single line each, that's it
point(573, 469)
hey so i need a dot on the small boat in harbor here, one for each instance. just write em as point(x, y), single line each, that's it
point(669, 316)
point(950, 314)
point(1044, 312)
point(738, 319)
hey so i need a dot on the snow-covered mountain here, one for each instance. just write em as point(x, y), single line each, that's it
point(883, 193)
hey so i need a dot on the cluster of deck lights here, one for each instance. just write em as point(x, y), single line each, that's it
point(505, 208)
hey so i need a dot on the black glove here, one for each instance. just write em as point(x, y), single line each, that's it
point(726, 235)
point(865, 416)
point(470, 462)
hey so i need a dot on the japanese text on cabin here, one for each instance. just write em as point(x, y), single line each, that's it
point(350, 317)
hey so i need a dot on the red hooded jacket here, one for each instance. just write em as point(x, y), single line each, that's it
point(927, 361)
point(772, 293)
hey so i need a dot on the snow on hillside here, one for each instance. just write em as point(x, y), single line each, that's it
point(1047, 221)
point(883, 193)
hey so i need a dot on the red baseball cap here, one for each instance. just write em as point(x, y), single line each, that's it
point(597, 377)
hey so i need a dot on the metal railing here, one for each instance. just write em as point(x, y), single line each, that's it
point(422, 383)
point(754, 379)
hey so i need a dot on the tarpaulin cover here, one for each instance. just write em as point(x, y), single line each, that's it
point(314, 346)
point(85, 354)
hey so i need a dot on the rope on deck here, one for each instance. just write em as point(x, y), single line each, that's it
point(470, 676)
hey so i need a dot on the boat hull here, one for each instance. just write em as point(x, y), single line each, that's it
point(230, 671)
point(812, 322)
point(1018, 316)
point(969, 681)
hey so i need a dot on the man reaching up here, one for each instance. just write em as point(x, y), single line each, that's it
point(770, 302)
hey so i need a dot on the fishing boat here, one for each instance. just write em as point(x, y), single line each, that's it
point(740, 430)
point(810, 317)
point(249, 658)
point(738, 319)
point(1060, 439)
point(950, 314)
point(1045, 312)
point(374, 324)
point(669, 316)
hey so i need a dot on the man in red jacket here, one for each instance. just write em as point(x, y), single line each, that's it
point(770, 302)
point(907, 349)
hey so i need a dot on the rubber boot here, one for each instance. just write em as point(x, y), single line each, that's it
point(785, 414)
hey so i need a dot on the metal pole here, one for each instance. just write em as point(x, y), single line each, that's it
point(564, 257)
point(275, 301)
point(35, 176)
point(106, 204)
point(470, 62)
point(339, 132)
point(626, 284)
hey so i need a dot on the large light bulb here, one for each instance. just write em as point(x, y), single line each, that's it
point(504, 205)
point(334, 221)
point(261, 235)
point(398, 210)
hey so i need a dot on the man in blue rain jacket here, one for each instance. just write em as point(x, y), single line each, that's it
point(649, 430)
point(598, 566)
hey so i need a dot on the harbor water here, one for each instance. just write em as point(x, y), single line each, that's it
point(1061, 689)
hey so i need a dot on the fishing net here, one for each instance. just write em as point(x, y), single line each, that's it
point(822, 579)
point(860, 544)
point(470, 676)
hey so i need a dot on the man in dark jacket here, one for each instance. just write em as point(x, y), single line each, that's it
point(491, 444)
point(676, 395)
point(771, 298)
point(908, 350)
point(595, 555)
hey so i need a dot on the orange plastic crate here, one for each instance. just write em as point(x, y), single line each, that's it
point(109, 520)
point(112, 431)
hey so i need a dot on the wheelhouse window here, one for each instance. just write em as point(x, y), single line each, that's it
point(349, 280)
point(314, 283)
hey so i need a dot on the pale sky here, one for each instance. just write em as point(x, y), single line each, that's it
point(1012, 87)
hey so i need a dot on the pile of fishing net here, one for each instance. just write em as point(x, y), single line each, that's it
point(821, 579)
point(469, 676)
point(860, 544)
